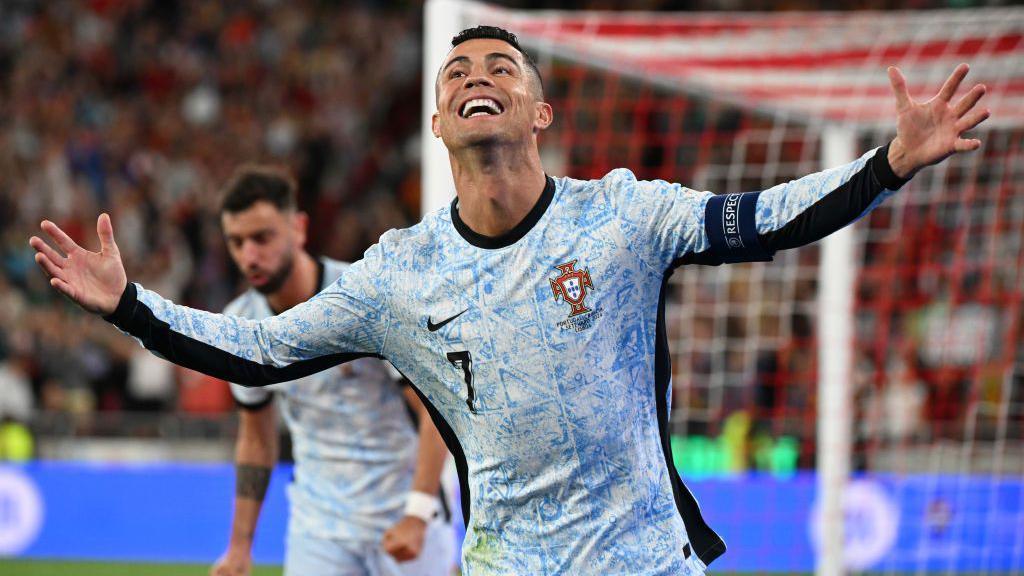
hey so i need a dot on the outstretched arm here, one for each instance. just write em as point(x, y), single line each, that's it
point(927, 133)
point(702, 228)
point(347, 320)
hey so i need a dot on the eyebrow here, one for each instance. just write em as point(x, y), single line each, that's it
point(499, 55)
point(489, 58)
point(453, 61)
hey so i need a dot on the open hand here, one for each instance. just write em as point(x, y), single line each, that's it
point(929, 132)
point(93, 280)
point(404, 540)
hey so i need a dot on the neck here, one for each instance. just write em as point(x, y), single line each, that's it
point(300, 285)
point(497, 186)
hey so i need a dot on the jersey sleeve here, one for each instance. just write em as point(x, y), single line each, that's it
point(349, 319)
point(669, 225)
point(247, 398)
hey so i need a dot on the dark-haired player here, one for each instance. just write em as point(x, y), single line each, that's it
point(361, 487)
point(530, 314)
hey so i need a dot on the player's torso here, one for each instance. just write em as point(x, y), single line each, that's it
point(539, 355)
point(354, 443)
point(354, 447)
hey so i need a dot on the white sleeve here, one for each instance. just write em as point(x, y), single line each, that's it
point(347, 320)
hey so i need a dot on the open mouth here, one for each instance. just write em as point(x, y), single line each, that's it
point(480, 107)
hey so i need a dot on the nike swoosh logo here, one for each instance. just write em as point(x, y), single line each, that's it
point(435, 327)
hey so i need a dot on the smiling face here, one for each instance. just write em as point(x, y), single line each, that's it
point(487, 95)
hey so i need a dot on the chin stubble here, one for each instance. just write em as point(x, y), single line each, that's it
point(278, 278)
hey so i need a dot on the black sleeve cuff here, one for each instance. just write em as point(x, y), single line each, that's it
point(125, 306)
point(882, 171)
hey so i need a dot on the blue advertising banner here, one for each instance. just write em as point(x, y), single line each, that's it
point(151, 512)
point(182, 513)
point(918, 523)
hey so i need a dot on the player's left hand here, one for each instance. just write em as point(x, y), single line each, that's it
point(404, 541)
point(929, 132)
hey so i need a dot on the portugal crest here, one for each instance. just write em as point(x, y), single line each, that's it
point(572, 287)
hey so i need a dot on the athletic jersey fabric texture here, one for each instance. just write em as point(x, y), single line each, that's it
point(353, 439)
point(541, 355)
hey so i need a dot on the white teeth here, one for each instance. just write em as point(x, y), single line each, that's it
point(490, 107)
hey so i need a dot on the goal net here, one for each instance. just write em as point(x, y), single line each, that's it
point(854, 406)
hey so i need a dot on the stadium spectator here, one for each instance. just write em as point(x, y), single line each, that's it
point(142, 108)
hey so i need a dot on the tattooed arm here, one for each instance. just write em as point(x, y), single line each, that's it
point(256, 452)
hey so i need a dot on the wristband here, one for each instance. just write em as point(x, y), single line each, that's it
point(421, 505)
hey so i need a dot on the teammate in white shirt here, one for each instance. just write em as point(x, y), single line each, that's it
point(530, 315)
point(361, 488)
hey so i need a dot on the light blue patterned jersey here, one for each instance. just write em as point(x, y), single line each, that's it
point(541, 354)
point(354, 442)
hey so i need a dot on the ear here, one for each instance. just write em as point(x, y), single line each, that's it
point(300, 223)
point(435, 125)
point(545, 116)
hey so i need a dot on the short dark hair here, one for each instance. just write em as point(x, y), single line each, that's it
point(254, 183)
point(496, 33)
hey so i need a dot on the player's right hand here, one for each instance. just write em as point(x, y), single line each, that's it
point(234, 562)
point(404, 540)
point(93, 280)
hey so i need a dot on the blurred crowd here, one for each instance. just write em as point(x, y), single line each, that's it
point(143, 109)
